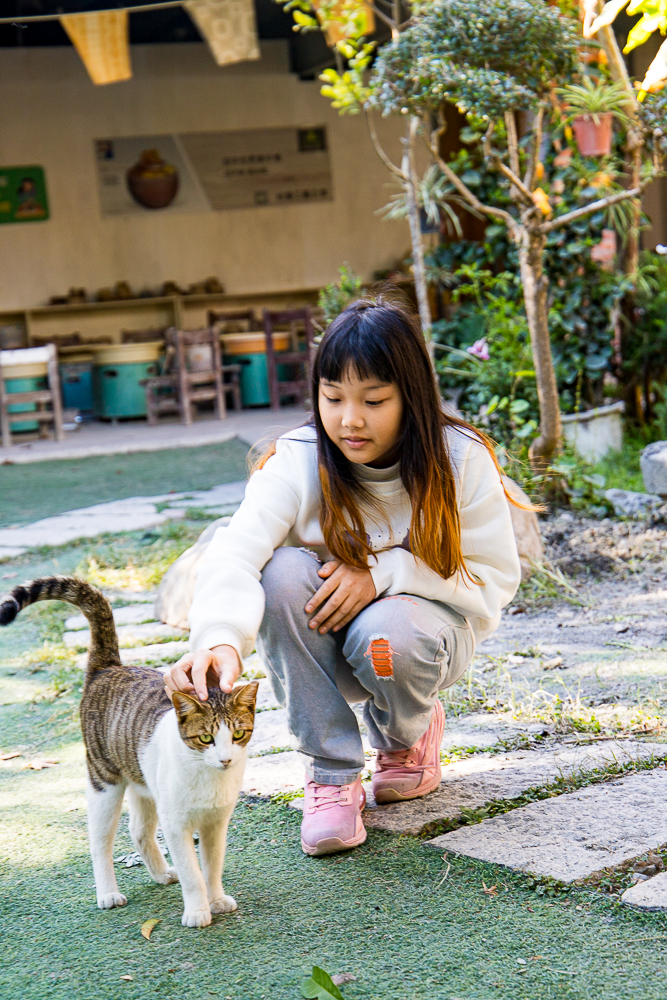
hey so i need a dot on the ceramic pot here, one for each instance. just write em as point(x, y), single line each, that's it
point(592, 139)
point(153, 192)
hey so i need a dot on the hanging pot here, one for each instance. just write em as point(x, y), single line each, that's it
point(593, 139)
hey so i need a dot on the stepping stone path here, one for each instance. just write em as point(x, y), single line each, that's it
point(572, 836)
point(649, 895)
point(132, 514)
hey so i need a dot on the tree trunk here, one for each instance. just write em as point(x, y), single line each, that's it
point(410, 182)
point(535, 285)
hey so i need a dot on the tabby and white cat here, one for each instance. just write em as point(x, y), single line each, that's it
point(181, 764)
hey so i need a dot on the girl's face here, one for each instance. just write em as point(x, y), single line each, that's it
point(363, 418)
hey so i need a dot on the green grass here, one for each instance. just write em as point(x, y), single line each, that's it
point(41, 489)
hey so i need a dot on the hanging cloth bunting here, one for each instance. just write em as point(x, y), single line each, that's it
point(229, 27)
point(332, 16)
point(102, 40)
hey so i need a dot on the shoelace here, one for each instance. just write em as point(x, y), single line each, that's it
point(327, 796)
point(397, 758)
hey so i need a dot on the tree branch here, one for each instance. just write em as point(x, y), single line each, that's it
point(380, 151)
point(535, 152)
point(465, 192)
point(594, 206)
point(383, 17)
point(512, 142)
point(496, 160)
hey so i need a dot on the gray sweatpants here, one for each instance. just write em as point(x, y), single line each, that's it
point(394, 656)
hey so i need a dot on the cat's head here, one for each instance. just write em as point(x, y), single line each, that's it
point(220, 727)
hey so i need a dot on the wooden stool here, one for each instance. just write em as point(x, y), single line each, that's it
point(299, 323)
point(42, 397)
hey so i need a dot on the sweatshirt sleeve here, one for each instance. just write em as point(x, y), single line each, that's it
point(228, 603)
point(487, 542)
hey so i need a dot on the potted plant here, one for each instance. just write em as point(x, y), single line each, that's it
point(592, 107)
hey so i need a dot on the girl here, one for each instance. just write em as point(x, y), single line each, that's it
point(373, 550)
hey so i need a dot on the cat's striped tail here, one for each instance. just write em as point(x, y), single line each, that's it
point(96, 608)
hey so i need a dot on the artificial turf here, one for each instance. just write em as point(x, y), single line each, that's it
point(40, 489)
point(385, 913)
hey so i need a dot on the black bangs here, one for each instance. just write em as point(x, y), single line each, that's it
point(363, 341)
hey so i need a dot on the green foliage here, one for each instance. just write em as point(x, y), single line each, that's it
point(436, 196)
point(595, 99)
point(487, 58)
point(337, 296)
point(320, 986)
point(645, 345)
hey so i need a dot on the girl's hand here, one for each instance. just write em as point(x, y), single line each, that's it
point(349, 591)
point(204, 668)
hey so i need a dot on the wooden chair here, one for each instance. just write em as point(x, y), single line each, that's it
point(184, 384)
point(223, 320)
point(42, 397)
point(299, 324)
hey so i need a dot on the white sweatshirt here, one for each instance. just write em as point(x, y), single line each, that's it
point(281, 507)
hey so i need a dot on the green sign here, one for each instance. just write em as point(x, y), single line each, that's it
point(23, 194)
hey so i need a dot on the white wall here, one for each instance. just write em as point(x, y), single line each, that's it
point(50, 113)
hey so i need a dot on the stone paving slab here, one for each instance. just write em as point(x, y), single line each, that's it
point(130, 514)
point(649, 895)
point(273, 774)
point(128, 635)
point(575, 835)
point(134, 614)
point(470, 783)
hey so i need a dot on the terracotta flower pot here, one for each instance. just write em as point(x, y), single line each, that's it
point(592, 139)
point(152, 181)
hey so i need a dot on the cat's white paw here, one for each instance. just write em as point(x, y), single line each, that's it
point(111, 899)
point(196, 918)
point(168, 877)
point(227, 904)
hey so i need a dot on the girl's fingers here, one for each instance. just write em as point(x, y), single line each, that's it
point(328, 568)
point(177, 678)
point(332, 604)
point(341, 613)
point(348, 617)
point(328, 587)
point(203, 659)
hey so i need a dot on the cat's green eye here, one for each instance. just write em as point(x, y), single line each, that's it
point(238, 734)
point(206, 738)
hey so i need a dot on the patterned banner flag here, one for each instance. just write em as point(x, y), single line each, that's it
point(102, 41)
point(229, 27)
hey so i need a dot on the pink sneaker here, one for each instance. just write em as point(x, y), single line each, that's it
point(332, 817)
point(408, 774)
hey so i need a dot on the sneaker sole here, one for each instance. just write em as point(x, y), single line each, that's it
point(333, 845)
point(386, 795)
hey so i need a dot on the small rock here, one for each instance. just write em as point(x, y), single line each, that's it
point(621, 627)
point(626, 503)
point(553, 663)
point(538, 729)
point(650, 894)
point(653, 462)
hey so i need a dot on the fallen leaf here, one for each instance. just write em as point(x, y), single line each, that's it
point(128, 979)
point(320, 986)
point(10, 756)
point(148, 927)
point(490, 890)
point(530, 909)
point(343, 977)
point(39, 763)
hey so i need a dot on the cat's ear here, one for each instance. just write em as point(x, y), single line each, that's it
point(185, 705)
point(246, 695)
